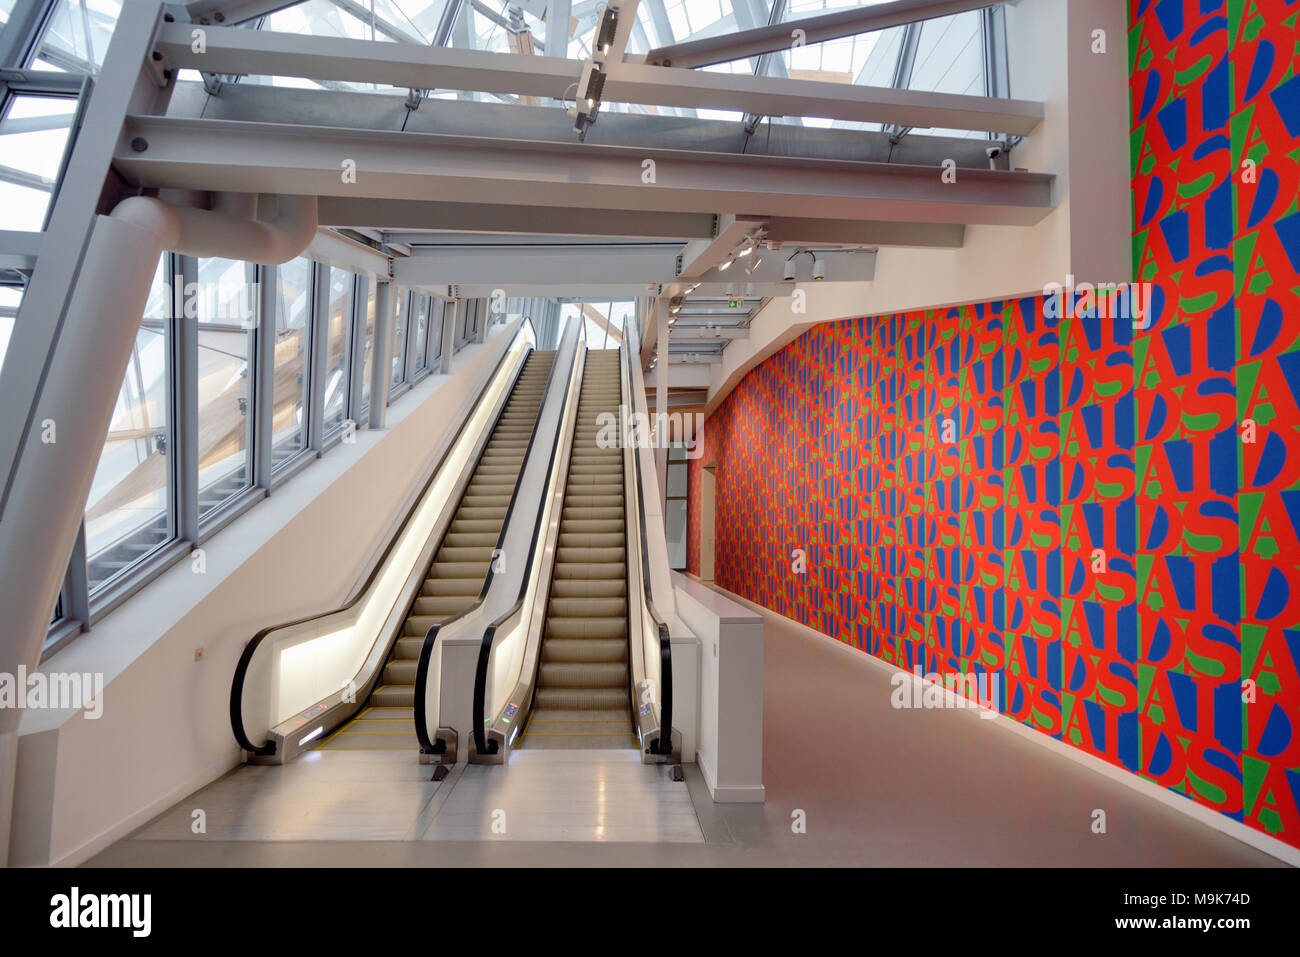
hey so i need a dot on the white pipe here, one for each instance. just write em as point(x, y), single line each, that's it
point(213, 233)
point(74, 407)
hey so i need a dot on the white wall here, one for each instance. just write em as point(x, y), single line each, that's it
point(165, 729)
point(729, 733)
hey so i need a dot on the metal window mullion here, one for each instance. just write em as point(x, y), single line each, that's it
point(449, 313)
point(317, 372)
point(381, 354)
point(76, 583)
point(185, 428)
point(22, 32)
point(430, 357)
point(997, 76)
point(902, 78)
point(262, 395)
point(357, 357)
point(411, 361)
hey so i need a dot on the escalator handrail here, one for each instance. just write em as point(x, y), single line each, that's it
point(427, 743)
point(665, 743)
point(246, 657)
point(481, 743)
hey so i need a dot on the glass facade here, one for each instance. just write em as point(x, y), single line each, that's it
point(292, 345)
point(338, 342)
point(226, 310)
point(129, 512)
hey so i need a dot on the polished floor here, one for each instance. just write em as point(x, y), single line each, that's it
point(872, 785)
point(385, 795)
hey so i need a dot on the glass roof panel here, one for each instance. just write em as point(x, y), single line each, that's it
point(949, 51)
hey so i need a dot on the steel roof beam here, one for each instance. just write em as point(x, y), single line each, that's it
point(538, 265)
point(708, 51)
point(279, 158)
point(262, 103)
point(520, 219)
point(412, 66)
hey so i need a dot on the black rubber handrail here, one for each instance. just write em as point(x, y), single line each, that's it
point(428, 744)
point(657, 746)
point(246, 657)
point(481, 743)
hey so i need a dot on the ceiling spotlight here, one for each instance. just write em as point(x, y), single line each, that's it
point(747, 247)
point(605, 31)
point(789, 270)
point(726, 265)
point(758, 261)
point(586, 103)
point(692, 289)
point(819, 268)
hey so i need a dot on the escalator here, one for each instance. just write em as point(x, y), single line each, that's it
point(456, 575)
point(583, 692)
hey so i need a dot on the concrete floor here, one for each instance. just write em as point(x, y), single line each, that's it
point(876, 785)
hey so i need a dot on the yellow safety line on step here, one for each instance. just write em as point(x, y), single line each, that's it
point(519, 742)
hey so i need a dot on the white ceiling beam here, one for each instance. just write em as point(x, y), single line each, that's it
point(399, 215)
point(736, 45)
point(798, 231)
point(537, 265)
point(682, 333)
point(267, 157)
point(414, 66)
point(603, 292)
point(703, 255)
point(856, 265)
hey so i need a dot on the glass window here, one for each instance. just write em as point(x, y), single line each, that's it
point(369, 346)
point(398, 374)
point(33, 134)
point(129, 511)
point(227, 309)
point(292, 355)
point(76, 36)
point(462, 333)
point(419, 332)
point(338, 347)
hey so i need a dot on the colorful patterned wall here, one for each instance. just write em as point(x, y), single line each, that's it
point(1101, 517)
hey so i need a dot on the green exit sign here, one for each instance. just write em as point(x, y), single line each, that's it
point(734, 303)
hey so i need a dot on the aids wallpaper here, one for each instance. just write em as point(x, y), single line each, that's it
point(1102, 518)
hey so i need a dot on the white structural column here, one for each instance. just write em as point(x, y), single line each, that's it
point(381, 359)
point(39, 533)
point(450, 315)
point(661, 402)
